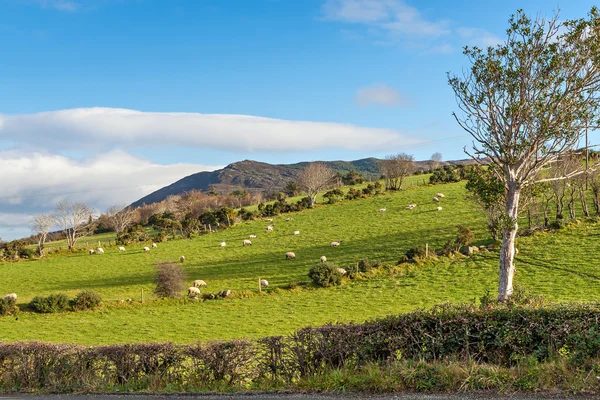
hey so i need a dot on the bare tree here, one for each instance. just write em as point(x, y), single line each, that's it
point(40, 226)
point(314, 178)
point(436, 160)
point(73, 219)
point(395, 168)
point(526, 103)
point(119, 217)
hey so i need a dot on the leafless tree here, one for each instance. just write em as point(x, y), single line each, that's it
point(73, 219)
point(395, 168)
point(40, 226)
point(314, 178)
point(436, 160)
point(119, 217)
point(526, 103)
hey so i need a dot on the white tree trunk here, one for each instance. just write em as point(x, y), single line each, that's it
point(507, 251)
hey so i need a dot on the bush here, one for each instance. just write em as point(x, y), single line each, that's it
point(325, 275)
point(170, 280)
point(8, 306)
point(86, 300)
point(416, 253)
point(464, 238)
point(58, 302)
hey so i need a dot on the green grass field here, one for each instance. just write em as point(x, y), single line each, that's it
point(560, 266)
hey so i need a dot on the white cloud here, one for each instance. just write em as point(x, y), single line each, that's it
point(105, 128)
point(34, 183)
point(478, 37)
point(393, 16)
point(62, 5)
point(379, 94)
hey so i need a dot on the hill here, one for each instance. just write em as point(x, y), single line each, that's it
point(255, 176)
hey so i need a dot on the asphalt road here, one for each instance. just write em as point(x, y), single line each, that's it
point(290, 396)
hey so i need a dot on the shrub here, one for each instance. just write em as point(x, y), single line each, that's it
point(333, 195)
point(86, 300)
point(8, 306)
point(58, 302)
point(325, 275)
point(464, 238)
point(416, 253)
point(170, 280)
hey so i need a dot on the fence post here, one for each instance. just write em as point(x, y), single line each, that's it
point(142, 295)
point(259, 288)
point(426, 249)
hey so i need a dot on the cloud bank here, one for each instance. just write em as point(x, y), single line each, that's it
point(92, 128)
point(34, 183)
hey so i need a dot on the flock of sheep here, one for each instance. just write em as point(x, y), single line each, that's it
point(194, 290)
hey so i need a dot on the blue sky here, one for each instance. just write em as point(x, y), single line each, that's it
point(329, 79)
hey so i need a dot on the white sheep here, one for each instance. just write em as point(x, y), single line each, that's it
point(289, 219)
point(224, 293)
point(440, 195)
point(269, 219)
point(193, 291)
point(435, 199)
point(334, 244)
point(146, 249)
point(99, 250)
point(342, 271)
point(10, 296)
point(222, 244)
point(439, 208)
point(154, 245)
point(383, 209)
point(200, 282)
point(270, 228)
point(296, 232)
point(290, 255)
point(92, 251)
point(182, 258)
point(246, 242)
point(264, 283)
point(323, 259)
point(121, 248)
point(252, 236)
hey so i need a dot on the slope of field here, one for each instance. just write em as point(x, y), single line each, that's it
point(561, 266)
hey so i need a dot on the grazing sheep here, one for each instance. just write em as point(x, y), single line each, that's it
point(269, 219)
point(440, 195)
point(200, 282)
point(289, 255)
point(146, 249)
point(270, 228)
point(246, 242)
point(435, 199)
point(121, 248)
point(91, 251)
point(10, 296)
point(193, 291)
point(411, 206)
point(323, 259)
point(296, 232)
point(342, 271)
point(264, 283)
point(252, 236)
point(182, 259)
point(99, 250)
point(289, 219)
point(154, 245)
point(383, 209)
point(439, 208)
point(222, 244)
point(334, 244)
point(224, 293)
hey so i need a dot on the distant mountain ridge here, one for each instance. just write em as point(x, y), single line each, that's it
point(255, 176)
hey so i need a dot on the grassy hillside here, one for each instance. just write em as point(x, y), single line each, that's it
point(560, 266)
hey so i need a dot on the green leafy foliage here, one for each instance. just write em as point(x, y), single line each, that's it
point(58, 302)
point(325, 275)
point(86, 300)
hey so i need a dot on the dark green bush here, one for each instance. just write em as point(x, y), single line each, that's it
point(54, 303)
point(416, 253)
point(8, 306)
point(325, 275)
point(464, 238)
point(86, 300)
